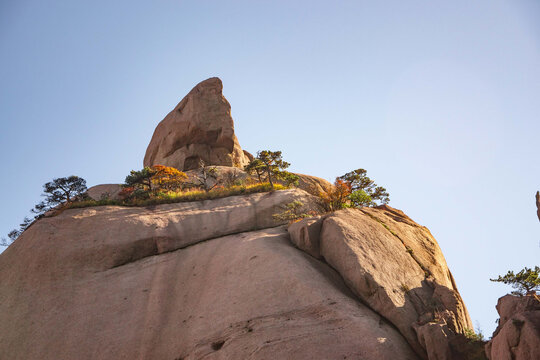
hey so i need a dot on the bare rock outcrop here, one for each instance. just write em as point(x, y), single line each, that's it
point(396, 267)
point(517, 336)
point(313, 185)
point(105, 191)
point(181, 281)
point(200, 127)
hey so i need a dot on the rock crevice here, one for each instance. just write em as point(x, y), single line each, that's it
point(411, 292)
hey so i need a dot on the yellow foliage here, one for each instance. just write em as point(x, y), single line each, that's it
point(167, 178)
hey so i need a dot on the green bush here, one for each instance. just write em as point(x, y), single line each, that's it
point(472, 336)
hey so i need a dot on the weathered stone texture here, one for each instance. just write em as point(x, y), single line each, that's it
point(199, 128)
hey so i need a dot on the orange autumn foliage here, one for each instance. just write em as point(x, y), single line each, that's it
point(167, 178)
point(337, 198)
point(126, 192)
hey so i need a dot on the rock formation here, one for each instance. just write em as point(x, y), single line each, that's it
point(199, 128)
point(104, 191)
point(517, 336)
point(222, 279)
point(219, 279)
point(211, 279)
point(313, 185)
point(396, 267)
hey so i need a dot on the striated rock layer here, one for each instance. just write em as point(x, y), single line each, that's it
point(199, 128)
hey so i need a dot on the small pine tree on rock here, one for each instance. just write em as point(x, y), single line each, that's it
point(525, 281)
point(270, 166)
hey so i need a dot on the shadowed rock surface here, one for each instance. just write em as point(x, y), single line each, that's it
point(199, 128)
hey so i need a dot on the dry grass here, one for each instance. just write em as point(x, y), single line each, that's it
point(182, 196)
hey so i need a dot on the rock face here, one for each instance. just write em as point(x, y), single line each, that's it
point(105, 191)
point(199, 128)
point(313, 185)
point(396, 267)
point(517, 336)
point(213, 279)
point(221, 279)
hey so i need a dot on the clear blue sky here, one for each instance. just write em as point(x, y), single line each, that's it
point(439, 101)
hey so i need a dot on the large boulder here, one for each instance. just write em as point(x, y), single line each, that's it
point(517, 336)
point(396, 267)
point(313, 185)
point(200, 127)
point(181, 281)
point(105, 191)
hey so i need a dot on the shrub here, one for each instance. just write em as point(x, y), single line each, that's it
point(180, 196)
point(292, 212)
point(167, 178)
point(126, 192)
point(472, 336)
point(288, 178)
point(338, 197)
point(354, 189)
point(360, 198)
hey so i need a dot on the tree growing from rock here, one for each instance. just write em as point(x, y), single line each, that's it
point(56, 192)
point(270, 165)
point(15, 233)
point(60, 191)
point(364, 191)
point(525, 281)
point(141, 179)
point(256, 167)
